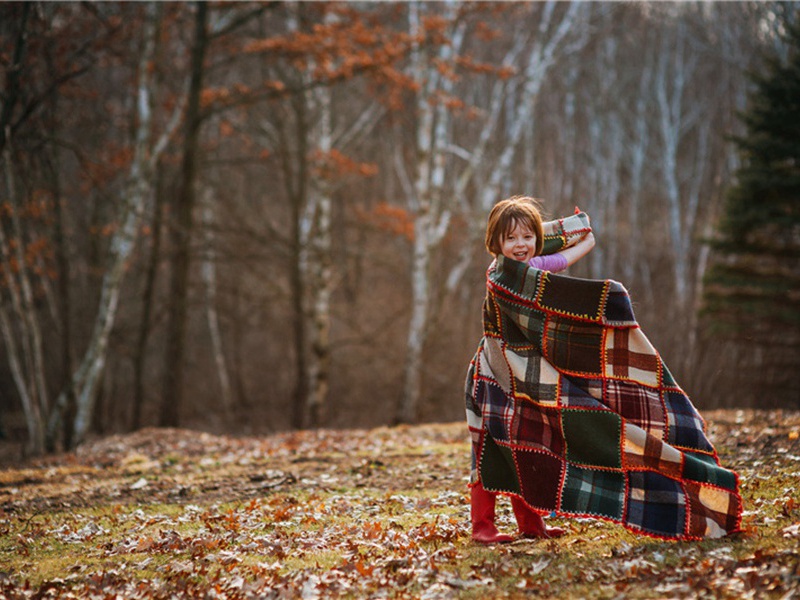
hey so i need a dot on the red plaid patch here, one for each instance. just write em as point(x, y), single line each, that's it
point(537, 427)
point(639, 405)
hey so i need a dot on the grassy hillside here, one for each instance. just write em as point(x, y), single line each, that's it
point(364, 513)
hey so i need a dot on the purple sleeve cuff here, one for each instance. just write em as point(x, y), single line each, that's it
point(549, 262)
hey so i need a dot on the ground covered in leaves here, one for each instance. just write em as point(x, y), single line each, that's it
point(382, 513)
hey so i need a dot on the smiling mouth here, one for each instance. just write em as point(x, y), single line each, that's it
point(520, 254)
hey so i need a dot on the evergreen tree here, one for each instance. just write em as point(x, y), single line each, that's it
point(753, 288)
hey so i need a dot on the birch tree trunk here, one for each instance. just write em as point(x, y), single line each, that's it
point(321, 274)
point(137, 192)
point(673, 76)
point(425, 198)
point(209, 273)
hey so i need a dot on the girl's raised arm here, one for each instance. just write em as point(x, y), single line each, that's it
point(579, 250)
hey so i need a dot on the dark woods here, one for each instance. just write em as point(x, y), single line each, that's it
point(253, 217)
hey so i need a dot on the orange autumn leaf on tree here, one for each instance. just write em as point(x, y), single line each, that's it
point(389, 218)
point(335, 165)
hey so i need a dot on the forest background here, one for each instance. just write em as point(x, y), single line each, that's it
point(249, 217)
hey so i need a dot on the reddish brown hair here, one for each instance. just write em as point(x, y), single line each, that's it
point(506, 215)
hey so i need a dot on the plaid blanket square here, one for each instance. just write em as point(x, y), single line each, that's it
point(656, 504)
point(572, 409)
point(703, 469)
point(534, 377)
point(496, 409)
point(518, 332)
point(593, 492)
point(492, 365)
point(575, 346)
point(638, 404)
point(577, 392)
point(714, 511)
point(584, 297)
point(542, 490)
point(618, 309)
point(642, 450)
point(593, 437)
point(629, 355)
point(498, 471)
point(537, 427)
point(685, 425)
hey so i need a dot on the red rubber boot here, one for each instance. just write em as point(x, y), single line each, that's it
point(531, 524)
point(482, 510)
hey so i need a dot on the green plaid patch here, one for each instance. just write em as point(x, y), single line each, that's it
point(498, 471)
point(707, 472)
point(574, 346)
point(593, 437)
point(593, 492)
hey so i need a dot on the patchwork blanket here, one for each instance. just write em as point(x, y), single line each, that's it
point(572, 409)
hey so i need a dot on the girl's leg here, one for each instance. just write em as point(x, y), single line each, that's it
point(484, 530)
point(531, 524)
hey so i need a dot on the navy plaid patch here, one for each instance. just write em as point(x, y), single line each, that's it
point(580, 392)
point(618, 305)
point(593, 492)
point(656, 504)
point(496, 409)
point(685, 423)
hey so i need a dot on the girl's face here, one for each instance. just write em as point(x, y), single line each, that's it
point(519, 244)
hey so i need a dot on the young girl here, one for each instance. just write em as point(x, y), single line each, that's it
point(570, 408)
point(515, 230)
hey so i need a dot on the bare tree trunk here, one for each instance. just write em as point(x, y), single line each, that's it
point(555, 35)
point(431, 217)
point(148, 295)
point(85, 379)
point(181, 233)
point(321, 272)
point(637, 152)
point(673, 121)
point(209, 272)
point(27, 359)
point(299, 253)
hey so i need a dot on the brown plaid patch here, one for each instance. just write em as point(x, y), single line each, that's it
point(629, 355)
point(642, 450)
point(713, 512)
